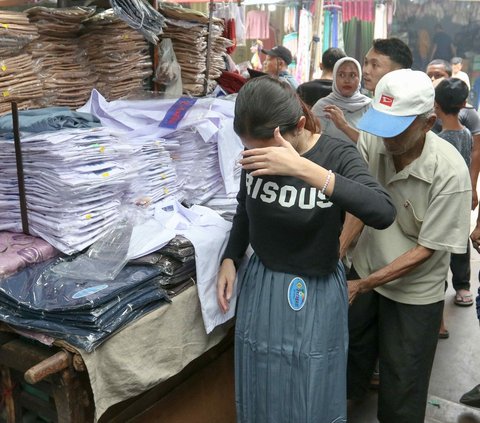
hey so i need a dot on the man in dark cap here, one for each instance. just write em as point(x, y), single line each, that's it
point(276, 64)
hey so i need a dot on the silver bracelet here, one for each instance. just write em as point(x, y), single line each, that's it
point(327, 181)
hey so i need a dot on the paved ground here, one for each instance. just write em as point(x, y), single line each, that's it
point(457, 363)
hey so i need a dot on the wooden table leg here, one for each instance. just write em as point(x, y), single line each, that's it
point(70, 397)
point(8, 393)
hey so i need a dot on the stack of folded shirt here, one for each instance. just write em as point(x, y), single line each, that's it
point(188, 30)
point(66, 75)
point(15, 32)
point(196, 163)
point(19, 82)
point(224, 204)
point(140, 15)
point(18, 75)
point(176, 261)
point(83, 312)
point(118, 55)
point(75, 181)
point(203, 145)
point(155, 177)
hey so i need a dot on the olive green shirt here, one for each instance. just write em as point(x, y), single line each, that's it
point(433, 198)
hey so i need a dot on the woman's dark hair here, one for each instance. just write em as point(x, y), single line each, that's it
point(395, 49)
point(450, 95)
point(266, 103)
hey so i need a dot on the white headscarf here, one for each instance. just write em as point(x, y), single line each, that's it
point(350, 104)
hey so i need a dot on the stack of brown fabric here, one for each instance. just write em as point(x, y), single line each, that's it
point(18, 80)
point(118, 55)
point(188, 30)
point(65, 72)
point(15, 32)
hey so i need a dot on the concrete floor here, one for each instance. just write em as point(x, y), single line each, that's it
point(456, 368)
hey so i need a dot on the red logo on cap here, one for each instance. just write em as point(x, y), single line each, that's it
point(386, 100)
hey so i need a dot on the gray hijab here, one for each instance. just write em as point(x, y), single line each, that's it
point(347, 104)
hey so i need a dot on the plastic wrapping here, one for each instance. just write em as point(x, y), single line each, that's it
point(183, 273)
point(166, 265)
point(104, 259)
point(141, 16)
point(168, 72)
point(82, 312)
point(74, 186)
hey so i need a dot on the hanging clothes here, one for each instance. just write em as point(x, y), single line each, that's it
point(380, 26)
point(358, 26)
point(333, 27)
point(257, 25)
point(303, 53)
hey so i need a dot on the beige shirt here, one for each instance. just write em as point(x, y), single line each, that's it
point(463, 76)
point(433, 197)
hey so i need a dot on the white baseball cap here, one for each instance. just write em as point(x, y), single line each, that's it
point(400, 96)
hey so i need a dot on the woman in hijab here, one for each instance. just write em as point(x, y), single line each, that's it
point(347, 74)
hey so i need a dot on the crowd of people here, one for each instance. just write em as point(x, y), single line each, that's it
point(355, 197)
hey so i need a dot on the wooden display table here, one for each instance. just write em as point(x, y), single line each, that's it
point(66, 385)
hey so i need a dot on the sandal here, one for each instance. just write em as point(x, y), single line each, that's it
point(444, 335)
point(464, 300)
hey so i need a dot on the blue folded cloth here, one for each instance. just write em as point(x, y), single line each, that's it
point(48, 119)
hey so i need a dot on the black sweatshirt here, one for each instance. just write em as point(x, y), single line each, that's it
point(292, 226)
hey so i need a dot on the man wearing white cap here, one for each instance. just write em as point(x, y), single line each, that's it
point(397, 287)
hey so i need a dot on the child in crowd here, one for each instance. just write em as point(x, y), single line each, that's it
point(450, 97)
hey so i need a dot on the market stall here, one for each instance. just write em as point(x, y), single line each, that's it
point(122, 179)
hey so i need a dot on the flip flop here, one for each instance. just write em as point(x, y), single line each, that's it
point(464, 300)
point(444, 335)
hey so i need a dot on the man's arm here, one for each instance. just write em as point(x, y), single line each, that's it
point(402, 265)
point(350, 232)
point(475, 168)
point(336, 115)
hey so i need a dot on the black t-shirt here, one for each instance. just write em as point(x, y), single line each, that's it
point(292, 227)
point(444, 46)
point(312, 91)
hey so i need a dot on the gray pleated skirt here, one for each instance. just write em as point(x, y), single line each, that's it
point(290, 366)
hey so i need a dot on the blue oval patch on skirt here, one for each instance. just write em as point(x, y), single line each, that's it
point(297, 294)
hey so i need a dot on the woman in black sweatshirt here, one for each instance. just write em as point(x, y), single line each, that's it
point(291, 330)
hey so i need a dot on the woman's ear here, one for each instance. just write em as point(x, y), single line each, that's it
point(301, 124)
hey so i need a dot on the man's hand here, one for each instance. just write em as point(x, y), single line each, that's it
point(355, 288)
point(475, 237)
point(335, 114)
